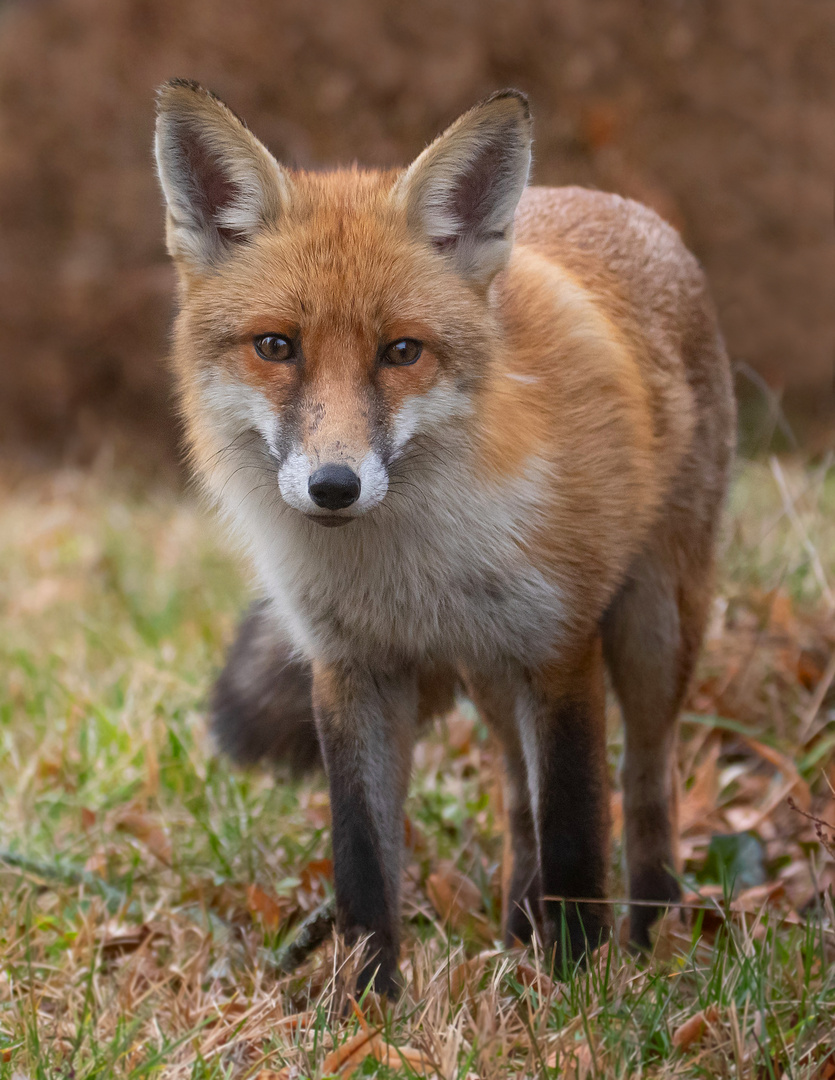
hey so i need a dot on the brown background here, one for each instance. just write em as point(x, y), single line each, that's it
point(720, 113)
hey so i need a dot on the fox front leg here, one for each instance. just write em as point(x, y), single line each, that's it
point(366, 722)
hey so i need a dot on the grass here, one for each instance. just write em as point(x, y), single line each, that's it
point(148, 888)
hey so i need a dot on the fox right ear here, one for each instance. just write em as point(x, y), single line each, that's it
point(220, 183)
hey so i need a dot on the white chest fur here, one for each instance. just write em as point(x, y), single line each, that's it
point(439, 573)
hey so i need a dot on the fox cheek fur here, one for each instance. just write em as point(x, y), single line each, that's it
point(532, 499)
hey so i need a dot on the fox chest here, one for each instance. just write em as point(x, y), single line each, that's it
point(410, 597)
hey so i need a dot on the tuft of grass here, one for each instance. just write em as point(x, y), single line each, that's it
point(148, 889)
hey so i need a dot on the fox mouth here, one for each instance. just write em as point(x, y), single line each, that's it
point(329, 521)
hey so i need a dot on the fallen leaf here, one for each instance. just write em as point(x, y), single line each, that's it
point(575, 1062)
point(699, 801)
point(694, 1028)
point(264, 906)
point(528, 975)
point(119, 939)
point(457, 900)
point(351, 1052)
point(142, 825)
point(395, 1057)
point(795, 785)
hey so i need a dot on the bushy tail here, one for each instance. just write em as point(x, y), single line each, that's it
point(261, 709)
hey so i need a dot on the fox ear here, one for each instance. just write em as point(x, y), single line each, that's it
point(220, 183)
point(462, 192)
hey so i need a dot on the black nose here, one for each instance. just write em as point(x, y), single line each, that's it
point(334, 486)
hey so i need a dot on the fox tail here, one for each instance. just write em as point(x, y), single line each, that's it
point(261, 709)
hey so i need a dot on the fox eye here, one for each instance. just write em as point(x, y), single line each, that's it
point(274, 347)
point(402, 353)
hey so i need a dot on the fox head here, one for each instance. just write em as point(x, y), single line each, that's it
point(328, 321)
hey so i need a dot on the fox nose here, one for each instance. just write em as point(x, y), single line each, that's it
point(334, 487)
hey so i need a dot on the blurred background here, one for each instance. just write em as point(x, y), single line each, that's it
point(720, 115)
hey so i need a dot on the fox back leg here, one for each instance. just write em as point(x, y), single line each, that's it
point(652, 636)
point(552, 726)
point(521, 885)
point(562, 724)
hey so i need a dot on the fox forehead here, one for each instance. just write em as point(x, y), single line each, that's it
point(340, 261)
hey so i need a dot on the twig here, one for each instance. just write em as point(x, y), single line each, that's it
point(828, 842)
point(310, 935)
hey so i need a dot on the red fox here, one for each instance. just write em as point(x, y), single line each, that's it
point(473, 434)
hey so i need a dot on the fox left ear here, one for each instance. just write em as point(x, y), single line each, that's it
point(462, 192)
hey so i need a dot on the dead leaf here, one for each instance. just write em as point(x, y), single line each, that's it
point(119, 938)
point(698, 803)
point(781, 619)
point(693, 1029)
point(826, 1068)
point(395, 1057)
point(464, 977)
point(264, 906)
point(351, 1052)
point(97, 863)
point(414, 838)
point(528, 975)
point(316, 870)
point(575, 1061)
point(457, 900)
point(795, 785)
point(139, 823)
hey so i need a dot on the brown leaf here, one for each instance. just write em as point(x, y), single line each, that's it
point(699, 801)
point(119, 939)
point(88, 819)
point(395, 1057)
point(826, 1068)
point(315, 870)
point(753, 900)
point(264, 906)
point(465, 975)
point(97, 863)
point(795, 784)
point(528, 975)
point(142, 825)
point(350, 1053)
point(693, 1029)
point(781, 619)
point(457, 900)
point(575, 1061)
point(811, 665)
point(414, 838)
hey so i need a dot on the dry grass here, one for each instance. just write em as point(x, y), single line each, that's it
point(150, 889)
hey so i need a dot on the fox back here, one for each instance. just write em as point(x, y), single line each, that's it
point(471, 433)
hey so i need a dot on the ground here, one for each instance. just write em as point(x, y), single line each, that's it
point(147, 889)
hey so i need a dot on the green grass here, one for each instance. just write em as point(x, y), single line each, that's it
point(134, 942)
